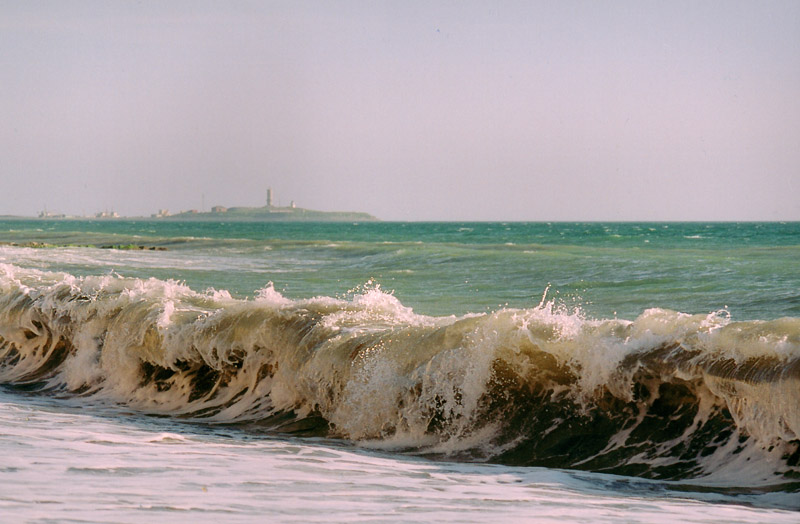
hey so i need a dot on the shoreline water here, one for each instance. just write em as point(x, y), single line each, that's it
point(170, 471)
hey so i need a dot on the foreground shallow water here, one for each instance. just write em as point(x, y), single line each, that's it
point(62, 464)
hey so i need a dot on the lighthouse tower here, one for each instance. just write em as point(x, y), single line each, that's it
point(269, 197)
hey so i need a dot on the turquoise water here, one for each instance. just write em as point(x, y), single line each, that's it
point(636, 372)
point(614, 269)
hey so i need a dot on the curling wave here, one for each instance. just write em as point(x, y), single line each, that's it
point(668, 395)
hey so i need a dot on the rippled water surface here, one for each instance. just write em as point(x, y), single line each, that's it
point(240, 372)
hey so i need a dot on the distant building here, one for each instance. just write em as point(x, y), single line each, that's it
point(293, 205)
point(161, 213)
point(219, 209)
point(106, 214)
point(269, 197)
point(48, 214)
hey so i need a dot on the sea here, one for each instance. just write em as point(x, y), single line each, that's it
point(168, 371)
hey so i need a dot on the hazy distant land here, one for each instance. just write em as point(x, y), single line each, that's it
point(238, 214)
point(271, 213)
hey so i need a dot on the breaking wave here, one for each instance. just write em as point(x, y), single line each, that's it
point(668, 395)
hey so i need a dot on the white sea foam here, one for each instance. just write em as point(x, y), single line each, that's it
point(120, 468)
point(482, 385)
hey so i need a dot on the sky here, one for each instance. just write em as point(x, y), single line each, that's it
point(408, 110)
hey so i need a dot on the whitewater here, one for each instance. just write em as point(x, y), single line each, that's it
point(370, 372)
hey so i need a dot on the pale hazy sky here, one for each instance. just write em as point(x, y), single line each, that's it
point(408, 110)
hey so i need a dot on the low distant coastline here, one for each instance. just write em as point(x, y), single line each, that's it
point(266, 213)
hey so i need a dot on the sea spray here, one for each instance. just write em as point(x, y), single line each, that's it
point(667, 395)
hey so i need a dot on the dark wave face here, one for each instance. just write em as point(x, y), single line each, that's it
point(666, 396)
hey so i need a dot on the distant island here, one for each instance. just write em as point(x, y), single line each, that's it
point(220, 213)
point(266, 213)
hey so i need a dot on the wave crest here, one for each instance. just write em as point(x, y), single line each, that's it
point(668, 395)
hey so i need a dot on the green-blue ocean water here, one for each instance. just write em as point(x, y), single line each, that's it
point(206, 371)
point(443, 268)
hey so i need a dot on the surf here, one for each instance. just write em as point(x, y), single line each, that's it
point(667, 395)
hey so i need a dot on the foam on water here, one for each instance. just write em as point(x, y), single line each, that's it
point(109, 468)
point(666, 396)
